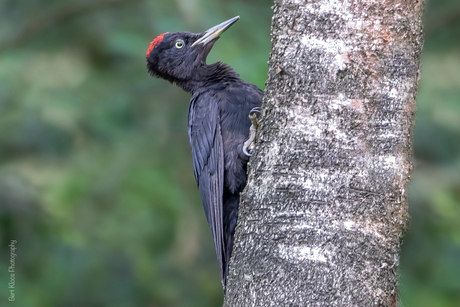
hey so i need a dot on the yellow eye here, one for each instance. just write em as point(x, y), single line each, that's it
point(179, 44)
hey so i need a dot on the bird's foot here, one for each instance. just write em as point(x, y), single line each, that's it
point(247, 146)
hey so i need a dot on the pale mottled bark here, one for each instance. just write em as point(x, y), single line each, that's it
point(323, 215)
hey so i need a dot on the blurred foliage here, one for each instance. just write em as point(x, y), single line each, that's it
point(96, 181)
point(430, 261)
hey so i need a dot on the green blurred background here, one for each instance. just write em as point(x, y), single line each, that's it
point(96, 180)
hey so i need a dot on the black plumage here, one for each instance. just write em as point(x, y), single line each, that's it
point(218, 124)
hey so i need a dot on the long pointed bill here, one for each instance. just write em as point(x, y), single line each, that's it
point(215, 31)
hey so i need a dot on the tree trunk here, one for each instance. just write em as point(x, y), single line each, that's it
point(323, 215)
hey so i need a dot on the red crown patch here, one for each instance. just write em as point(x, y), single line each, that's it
point(155, 42)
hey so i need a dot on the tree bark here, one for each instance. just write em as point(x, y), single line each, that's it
point(322, 217)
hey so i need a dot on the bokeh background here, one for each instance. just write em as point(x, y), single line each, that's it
point(96, 180)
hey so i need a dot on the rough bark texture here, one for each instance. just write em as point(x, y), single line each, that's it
point(322, 217)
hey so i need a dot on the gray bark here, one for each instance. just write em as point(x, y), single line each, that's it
point(322, 217)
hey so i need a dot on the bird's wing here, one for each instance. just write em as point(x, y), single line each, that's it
point(208, 162)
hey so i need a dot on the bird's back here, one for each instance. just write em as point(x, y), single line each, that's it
point(218, 116)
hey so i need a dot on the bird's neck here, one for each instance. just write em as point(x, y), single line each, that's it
point(208, 75)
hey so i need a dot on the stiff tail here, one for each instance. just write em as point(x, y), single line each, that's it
point(231, 202)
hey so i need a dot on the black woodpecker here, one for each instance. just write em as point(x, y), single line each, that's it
point(218, 124)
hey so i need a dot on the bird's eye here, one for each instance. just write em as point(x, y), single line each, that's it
point(179, 44)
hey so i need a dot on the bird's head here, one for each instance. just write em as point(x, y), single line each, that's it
point(177, 57)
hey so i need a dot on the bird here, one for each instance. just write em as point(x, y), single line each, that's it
point(218, 125)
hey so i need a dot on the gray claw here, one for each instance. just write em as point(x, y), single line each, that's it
point(245, 150)
point(252, 130)
point(256, 109)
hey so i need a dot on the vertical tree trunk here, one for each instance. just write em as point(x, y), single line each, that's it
point(322, 217)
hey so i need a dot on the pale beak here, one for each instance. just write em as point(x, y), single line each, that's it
point(215, 31)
